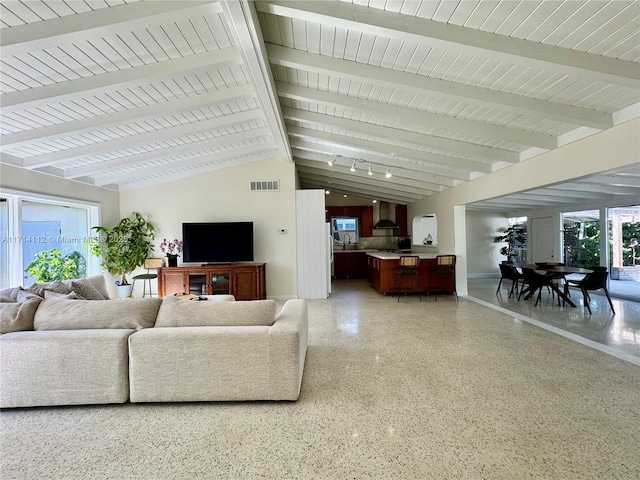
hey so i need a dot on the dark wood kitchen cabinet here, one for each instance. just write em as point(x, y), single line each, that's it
point(366, 221)
point(245, 281)
point(350, 264)
point(401, 220)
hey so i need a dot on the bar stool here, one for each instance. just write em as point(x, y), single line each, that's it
point(149, 264)
point(445, 267)
point(408, 267)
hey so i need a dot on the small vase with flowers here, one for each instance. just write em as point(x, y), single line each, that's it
point(171, 250)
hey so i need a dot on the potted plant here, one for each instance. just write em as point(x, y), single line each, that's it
point(50, 265)
point(513, 236)
point(171, 250)
point(124, 248)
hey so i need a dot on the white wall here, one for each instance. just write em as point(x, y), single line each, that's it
point(225, 196)
point(14, 178)
point(614, 148)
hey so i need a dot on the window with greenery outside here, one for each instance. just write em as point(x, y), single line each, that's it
point(50, 265)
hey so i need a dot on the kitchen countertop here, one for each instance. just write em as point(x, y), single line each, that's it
point(357, 250)
point(396, 256)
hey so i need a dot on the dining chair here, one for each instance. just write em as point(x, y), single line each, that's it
point(536, 282)
point(591, 282)
point(509, 272)
point(407, 269)
point(445, 267)
point(149, 264)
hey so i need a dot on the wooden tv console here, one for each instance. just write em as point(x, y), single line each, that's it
point(245, 281)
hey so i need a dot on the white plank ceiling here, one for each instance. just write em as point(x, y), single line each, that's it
point(123, 94)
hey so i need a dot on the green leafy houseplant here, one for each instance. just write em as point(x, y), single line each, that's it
point(124, 247)
point(513, 236)
point(50, 265)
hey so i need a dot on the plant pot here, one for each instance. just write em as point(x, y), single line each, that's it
point(124, 291)
point(172, 260)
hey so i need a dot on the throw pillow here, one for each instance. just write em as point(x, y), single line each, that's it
point(99, 282)
point(17, 317)
point(9, 295)
point(57, 286)
point(65, 314)
point(55, 289)
point(86, 290)
point(177, 313)
point(49, 294)
point(36, 289)
point(24, 295)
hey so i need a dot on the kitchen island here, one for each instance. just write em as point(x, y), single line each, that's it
point(382, 265)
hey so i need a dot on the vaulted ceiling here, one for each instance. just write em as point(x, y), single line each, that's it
point(124, 94)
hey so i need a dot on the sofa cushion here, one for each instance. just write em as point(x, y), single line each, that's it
point(16, 317)
point(85, 289)
point(67, 314)
point(178, 313)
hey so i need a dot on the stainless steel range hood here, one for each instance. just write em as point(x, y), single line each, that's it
point(386, 216)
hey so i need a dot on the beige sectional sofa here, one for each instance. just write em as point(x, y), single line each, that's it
point(153, 350)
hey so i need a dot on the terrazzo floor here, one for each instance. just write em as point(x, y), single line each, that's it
point(617, 334)
point(391, 390)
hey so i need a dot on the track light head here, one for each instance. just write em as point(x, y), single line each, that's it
point(370, 172)
point(388, 174)
point(353, 166)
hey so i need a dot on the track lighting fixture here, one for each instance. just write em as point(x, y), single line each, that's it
point(331, 160)
point(375, 201)
point(370, 172)
point(353, 166)
point(388, 174)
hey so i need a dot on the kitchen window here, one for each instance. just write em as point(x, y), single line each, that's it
point(345, 230)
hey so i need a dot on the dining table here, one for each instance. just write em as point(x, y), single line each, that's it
point(556, 271)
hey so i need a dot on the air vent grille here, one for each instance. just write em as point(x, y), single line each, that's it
point(265, 186)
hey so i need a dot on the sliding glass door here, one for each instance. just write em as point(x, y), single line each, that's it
point(581, 238)
point(585, 244)
point(624, 250)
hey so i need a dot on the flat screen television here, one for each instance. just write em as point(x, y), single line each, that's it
point(221, 242)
